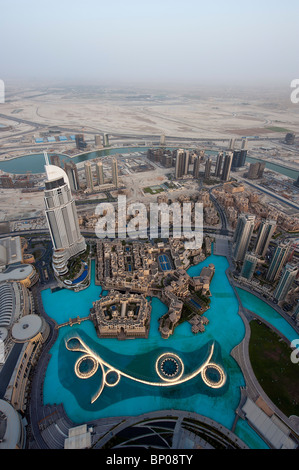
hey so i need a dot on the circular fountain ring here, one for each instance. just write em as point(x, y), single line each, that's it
point(169, 367)
point(211, 371)
point(86, 367)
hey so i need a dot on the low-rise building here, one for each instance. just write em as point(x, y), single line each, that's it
point(121, 316)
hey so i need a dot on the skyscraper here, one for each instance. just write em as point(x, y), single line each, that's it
point(231, 144)
point(243, 235)
point(208, 166)
point(115, 172)
point(265, 233)
point(196, 166)
point(55, 160)
point(98, 141)
point(225, 176)
point(249, 265)
point(244, 145)
point(256, 170)
point(182, 163)
point(239, 159)
point(288, 275)
point(80, 143)
point(290, 138)
point(62, 218)
point(100, 172)
point(218, 164)
point(106, 140)
point(166, 160)
point(88, 175)
point(278, 261)
point(72, 172)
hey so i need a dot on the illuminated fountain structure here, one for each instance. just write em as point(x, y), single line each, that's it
point(169, 368)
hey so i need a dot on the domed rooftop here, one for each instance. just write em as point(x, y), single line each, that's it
point(26, 328)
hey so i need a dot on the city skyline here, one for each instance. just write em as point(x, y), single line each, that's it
point(149, 227)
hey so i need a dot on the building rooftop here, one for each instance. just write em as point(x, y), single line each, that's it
point(26, 328)
point(79, 438)
point(16, 273)
point(278, 436)
point(10, 251)
point(10, 426)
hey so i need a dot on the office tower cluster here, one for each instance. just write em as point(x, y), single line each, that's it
point(280, 272)
point(100, 180)
point(228, 161)
point(223, 165)
point(61, 215)
point(264, 236)
point(162, 156)
point(243, 235)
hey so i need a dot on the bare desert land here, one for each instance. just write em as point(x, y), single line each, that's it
point(192, 114)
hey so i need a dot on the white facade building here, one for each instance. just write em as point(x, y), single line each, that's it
point(62, 219)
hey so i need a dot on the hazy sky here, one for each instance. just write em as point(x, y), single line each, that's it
point(159, 40)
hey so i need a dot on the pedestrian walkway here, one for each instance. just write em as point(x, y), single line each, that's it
point(221, 246)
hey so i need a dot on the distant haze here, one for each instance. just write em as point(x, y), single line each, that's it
point(165, 41)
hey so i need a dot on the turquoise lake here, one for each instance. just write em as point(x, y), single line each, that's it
point(61, 385)
point(137, 357)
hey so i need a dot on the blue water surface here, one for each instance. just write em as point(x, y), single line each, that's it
point(225, 327)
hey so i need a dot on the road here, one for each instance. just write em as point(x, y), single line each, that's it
point(270, 193)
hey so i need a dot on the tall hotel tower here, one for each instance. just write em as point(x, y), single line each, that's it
point(62, 218)
point(265, 233)
point(242, 235)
